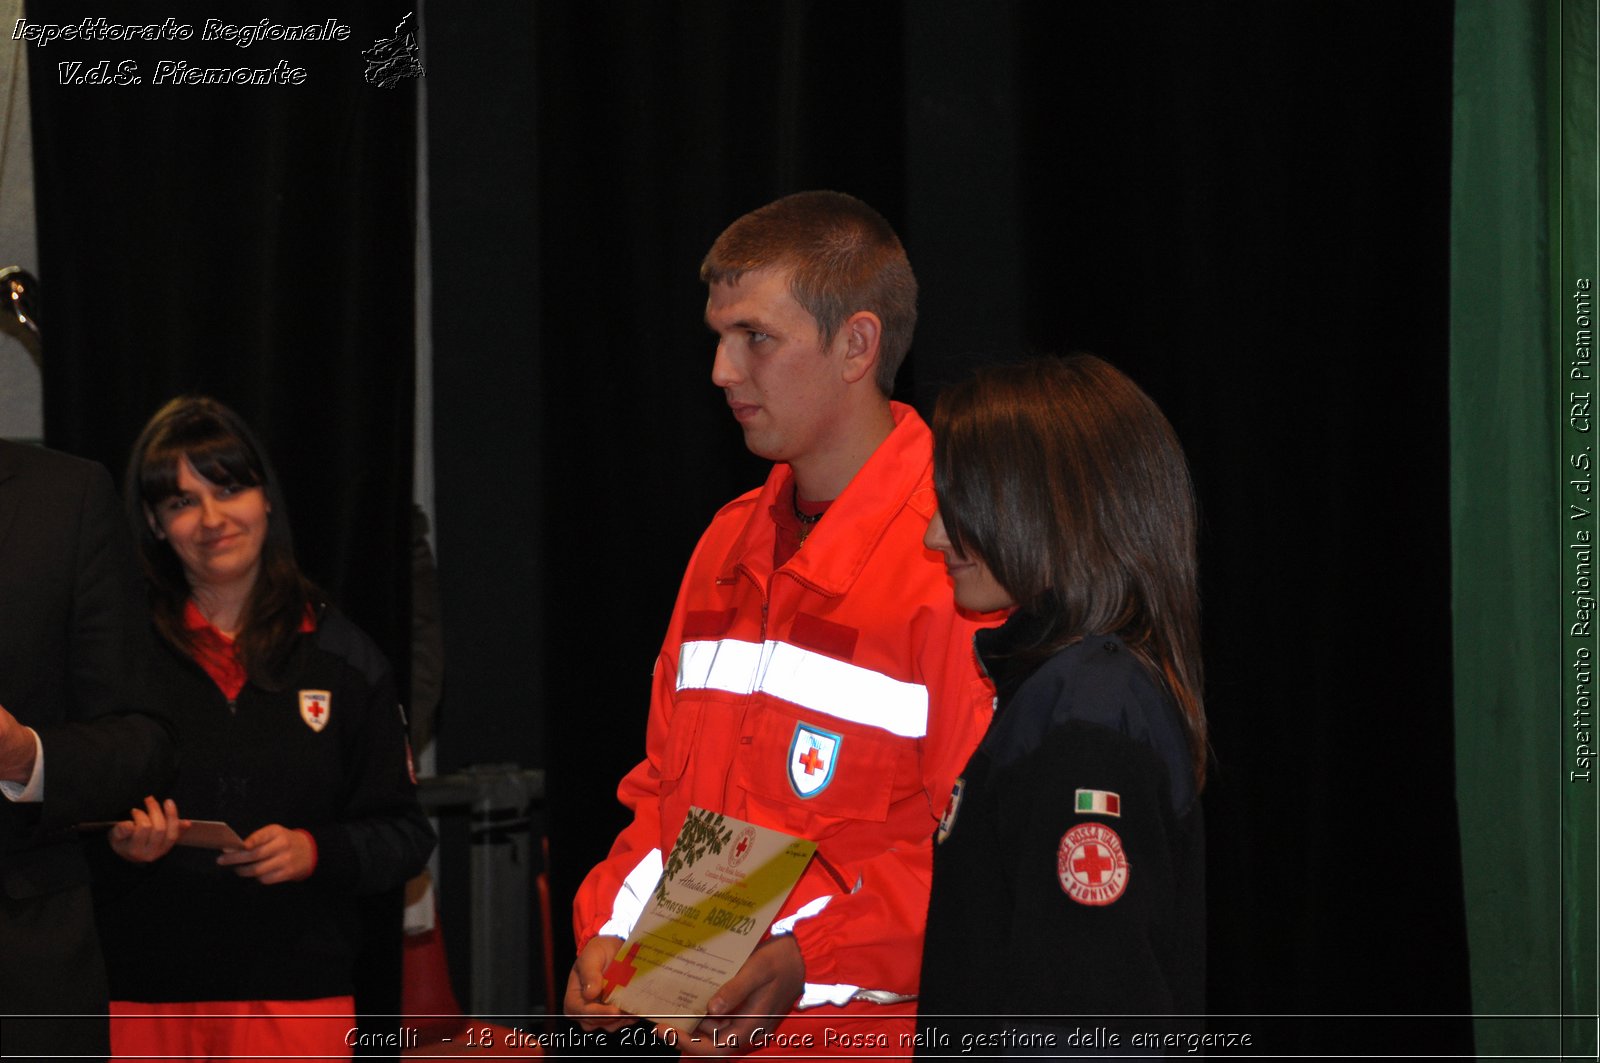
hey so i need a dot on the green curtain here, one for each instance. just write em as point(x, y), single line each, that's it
point(1525, 440)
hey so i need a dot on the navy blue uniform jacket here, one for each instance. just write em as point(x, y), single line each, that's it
point(1069, 882)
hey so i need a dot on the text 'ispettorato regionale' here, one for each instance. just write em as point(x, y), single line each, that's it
point(177, 71)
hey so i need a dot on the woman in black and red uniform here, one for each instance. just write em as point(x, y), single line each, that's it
point(289, 731)
point(1068, 880)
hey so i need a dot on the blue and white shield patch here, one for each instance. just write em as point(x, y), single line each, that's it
point(811, 757)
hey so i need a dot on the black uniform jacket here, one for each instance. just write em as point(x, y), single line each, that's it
point(1069, 880)
point(325, 752)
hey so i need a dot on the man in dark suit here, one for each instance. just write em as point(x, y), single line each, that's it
point(77, 743)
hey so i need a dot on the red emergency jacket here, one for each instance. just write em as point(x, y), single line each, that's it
point(837, 699)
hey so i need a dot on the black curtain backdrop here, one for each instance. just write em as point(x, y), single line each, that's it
point(254, 243)
point(1244, 205)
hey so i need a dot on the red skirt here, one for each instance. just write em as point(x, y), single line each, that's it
point(232, 1029)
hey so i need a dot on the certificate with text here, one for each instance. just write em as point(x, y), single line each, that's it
point(723, 883)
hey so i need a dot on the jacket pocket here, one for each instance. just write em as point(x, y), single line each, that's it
point(816, 770)
point(680, 742)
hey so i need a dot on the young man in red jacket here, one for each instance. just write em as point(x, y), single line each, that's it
point(815, 678)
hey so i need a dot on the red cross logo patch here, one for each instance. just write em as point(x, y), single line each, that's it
point(315, 707)
point(811, 755)
point(1091, 865)
point(741, 848)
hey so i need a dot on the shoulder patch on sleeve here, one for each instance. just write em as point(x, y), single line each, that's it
point(1096, 803)
point(1091, 865)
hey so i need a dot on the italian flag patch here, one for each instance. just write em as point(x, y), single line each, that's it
point(1097, 802)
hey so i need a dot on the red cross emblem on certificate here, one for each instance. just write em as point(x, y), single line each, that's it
point(620, 972)
point(743, 847)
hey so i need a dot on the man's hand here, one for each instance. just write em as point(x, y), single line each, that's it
point(585, 984)
point(763, 991)
point(17, 749)
point(272, 855)
point(147, 834)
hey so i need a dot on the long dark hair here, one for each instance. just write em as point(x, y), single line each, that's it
point(224, 450)
point(1067, 481)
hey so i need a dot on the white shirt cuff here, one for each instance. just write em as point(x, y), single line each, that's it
point(33, 791)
